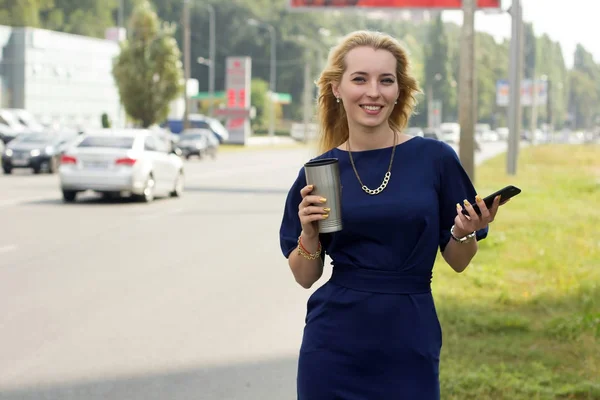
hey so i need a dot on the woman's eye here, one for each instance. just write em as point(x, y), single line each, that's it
point(358, 79)
point(388, 81)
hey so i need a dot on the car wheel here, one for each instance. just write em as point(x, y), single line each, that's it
point(179, 184)
point(37, 171)
point(69, 195)
point(148, 193)
point(7, 170)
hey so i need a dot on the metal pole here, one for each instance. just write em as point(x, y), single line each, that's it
point(307, 95)
point(272, 83)
point(120, 22)
point(515, 90)
point(186, 61)
point(534, 100)
point(429, 104)
point(467, 68)
point(211, 56)
point(121, 13)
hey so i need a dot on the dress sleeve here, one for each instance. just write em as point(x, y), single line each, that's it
point(454, 187)
point(290, 224)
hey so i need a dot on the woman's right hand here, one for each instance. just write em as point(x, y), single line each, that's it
point(310, 212)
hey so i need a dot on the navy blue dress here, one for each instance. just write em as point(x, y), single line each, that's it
point(372, 331)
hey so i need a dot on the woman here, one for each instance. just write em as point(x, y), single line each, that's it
point(372, 330)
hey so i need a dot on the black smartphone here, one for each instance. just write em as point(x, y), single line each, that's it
point(504, 193)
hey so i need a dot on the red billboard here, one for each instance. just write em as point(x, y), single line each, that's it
point(435, 4)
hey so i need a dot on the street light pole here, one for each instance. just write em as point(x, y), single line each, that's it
point(273, 74)
point(211, 56)
point(467, 81)
point(186, 61)
point(120, 22)
point(272, 84)
point(514, 115)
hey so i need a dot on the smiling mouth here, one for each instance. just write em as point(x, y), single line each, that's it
point(372, 108)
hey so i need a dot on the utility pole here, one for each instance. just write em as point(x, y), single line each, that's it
point(273, 75)
point(466, 89)
point(121, 13)
point(514, 108)
point(307, 95)
point(120, 22)
point(534, 116)
point(186, 61)
point(212, 57)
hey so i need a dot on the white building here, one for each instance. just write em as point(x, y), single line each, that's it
point(60, 78)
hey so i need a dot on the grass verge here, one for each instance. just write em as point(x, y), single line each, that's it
point(523, 321)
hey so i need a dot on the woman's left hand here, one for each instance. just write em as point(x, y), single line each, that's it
point(464, 225)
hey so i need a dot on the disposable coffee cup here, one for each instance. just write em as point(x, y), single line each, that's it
point(324, 175)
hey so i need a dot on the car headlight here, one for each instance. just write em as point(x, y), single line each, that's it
point(35, 153)
point(8, 153)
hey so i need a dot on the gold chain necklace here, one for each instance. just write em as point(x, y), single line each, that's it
point(386, 178)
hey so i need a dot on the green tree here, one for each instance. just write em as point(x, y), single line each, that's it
point(23, 12)
point(438, 71)
point(148, 70)
point(81, 17)
point(258, 96)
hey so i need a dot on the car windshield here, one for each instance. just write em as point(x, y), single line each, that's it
point(35, 137)
point(191, 136)
point(111, 142)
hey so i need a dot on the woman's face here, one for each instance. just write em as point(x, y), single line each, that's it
point(369, 87)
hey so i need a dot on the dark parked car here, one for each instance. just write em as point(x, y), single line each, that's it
point(198, 142)
point(39, 151)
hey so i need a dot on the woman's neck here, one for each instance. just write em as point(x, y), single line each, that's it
point(370, 139)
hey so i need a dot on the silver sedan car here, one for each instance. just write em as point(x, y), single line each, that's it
point(127, 162)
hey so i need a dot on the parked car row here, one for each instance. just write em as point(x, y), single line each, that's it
point(40, 151)
point(138, 163)
point(15, 121)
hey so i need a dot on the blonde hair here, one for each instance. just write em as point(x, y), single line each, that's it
point(332, 116)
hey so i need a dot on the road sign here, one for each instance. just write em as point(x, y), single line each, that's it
point(237, 96)
point(527, 95)
point(432, 4)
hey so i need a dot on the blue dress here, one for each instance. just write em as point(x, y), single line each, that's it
point(372, 332)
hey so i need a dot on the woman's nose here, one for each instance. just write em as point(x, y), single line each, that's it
point(373, 89)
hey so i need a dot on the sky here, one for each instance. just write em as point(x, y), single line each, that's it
point(567, 22)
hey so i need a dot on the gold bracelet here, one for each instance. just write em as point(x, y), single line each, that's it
point(302, 251)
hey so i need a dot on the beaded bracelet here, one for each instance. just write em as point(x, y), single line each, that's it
point(304, 253)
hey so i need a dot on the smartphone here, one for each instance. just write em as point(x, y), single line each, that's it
point(504, 193)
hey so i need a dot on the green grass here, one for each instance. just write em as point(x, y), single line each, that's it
point(523, 321)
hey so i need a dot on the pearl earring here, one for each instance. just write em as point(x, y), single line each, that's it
point(337, 99)
point(396, 102)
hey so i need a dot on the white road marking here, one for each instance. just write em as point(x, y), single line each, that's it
point(8, 248)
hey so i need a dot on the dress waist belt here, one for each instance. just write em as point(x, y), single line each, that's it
point(380, 281)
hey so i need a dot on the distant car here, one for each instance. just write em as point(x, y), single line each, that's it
point(198, 121)
point(198, 142)
point(38, 151)
point(128, 162)
point(450, 132)
point(414, 131)
point(432, 133)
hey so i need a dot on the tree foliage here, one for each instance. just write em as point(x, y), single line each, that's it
point(426, 42)
point(148, 70)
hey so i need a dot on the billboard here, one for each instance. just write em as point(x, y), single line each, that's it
point(433, 4)
point(238, 74)
point(527, 93)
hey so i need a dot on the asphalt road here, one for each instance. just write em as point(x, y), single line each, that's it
point(179, 299)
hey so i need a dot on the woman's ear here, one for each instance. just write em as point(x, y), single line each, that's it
point(335, 89)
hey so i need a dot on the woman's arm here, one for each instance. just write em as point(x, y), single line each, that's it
point(307, 267)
